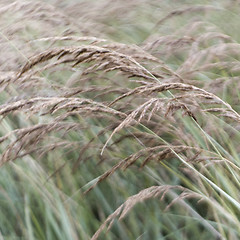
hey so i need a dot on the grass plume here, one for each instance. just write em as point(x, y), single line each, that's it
point(108, 104)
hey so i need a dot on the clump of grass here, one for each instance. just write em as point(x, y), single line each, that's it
point(100, 116)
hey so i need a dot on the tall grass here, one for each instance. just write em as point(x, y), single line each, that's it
point(119, 120)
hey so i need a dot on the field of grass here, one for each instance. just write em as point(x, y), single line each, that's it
point(119, 120)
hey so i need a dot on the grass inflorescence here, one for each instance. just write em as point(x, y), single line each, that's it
point(119, 120)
